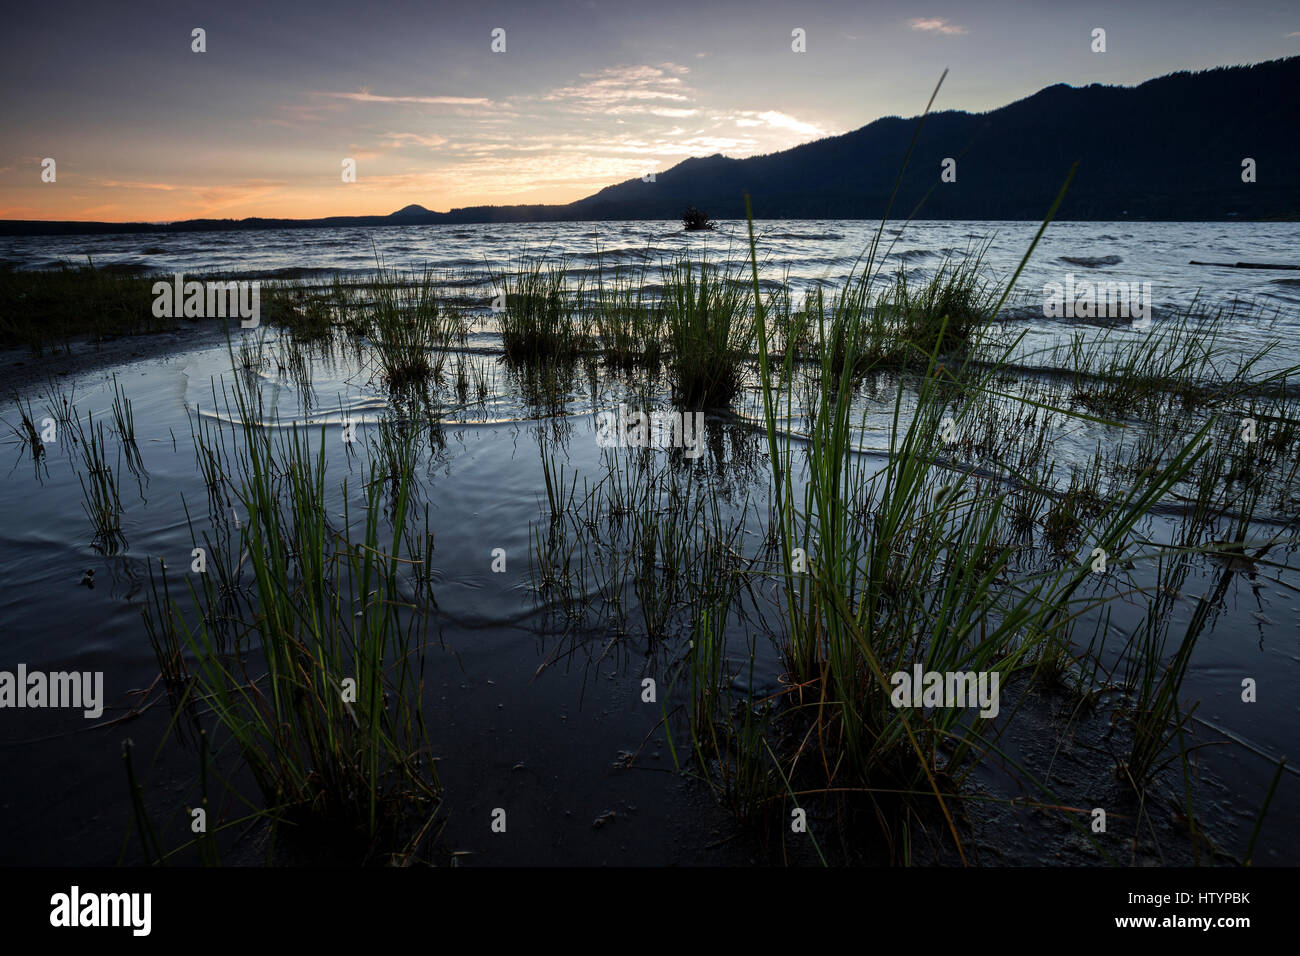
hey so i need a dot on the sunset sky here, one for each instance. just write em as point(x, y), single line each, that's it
point(587, 93)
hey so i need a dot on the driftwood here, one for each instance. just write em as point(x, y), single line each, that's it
point(1243, 265)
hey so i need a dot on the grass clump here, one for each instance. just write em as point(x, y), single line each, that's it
point(629, 324)
point(944, 314)
point(410, 332)
point(318, 683)
point(542, 319)
point(709, 327)
point(882, 569)
point(100, 498)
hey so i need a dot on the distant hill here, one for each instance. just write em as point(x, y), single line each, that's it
point(1169, 149)
point(412, 211)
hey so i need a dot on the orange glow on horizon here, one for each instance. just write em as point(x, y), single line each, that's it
point(164, 203)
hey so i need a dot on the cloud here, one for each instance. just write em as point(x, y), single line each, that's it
point(935, 25)
point(398, 140)
point(672, 112)
point(777, 120)
point(237, 196)
point(603, 88)
point(365, 96)
point(296, 115)
point(121, 184)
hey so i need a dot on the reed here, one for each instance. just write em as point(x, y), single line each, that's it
point(710, 331)
point(1156, 715)
point(100, 498)
point(906, 564)
point(410, 333)
point(28, 435)
point(332, 732)
point(542, 319)
point(628, 323)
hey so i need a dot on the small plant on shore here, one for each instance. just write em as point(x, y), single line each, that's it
point(40, 308)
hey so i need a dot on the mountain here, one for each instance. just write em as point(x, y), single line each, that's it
point(1169, 149)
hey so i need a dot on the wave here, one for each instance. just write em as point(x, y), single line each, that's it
point(813, 236)
point(291, 272)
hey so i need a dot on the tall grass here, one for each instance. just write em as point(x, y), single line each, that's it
point(100, 498)
point(1156, 714)
point(947, 312)
point(332, 732)
point(1134, 372)
point(29, 437)
point(411, 334)
point(709, 327)
point(881, 570)
point(628, 322)
point(543, 319)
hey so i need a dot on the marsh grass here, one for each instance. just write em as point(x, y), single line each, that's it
point(29, 437)
point(100, 498)
point(310, 313)
point(410, 332)
point(902, 565)
point(332, 731)
point(970, 554)
point(628, 322)
point(543, 319)
point(791, 327)
point(1131, 372)
point(709, 327)
point(51, 307)
point(124, 426)
point(1154, 678)
point(944, 314)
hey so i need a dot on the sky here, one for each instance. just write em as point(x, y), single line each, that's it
point(586, 93)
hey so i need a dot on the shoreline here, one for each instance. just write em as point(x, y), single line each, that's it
point(21, 369)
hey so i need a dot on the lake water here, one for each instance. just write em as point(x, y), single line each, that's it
point(806, 251)
point(527, 713)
